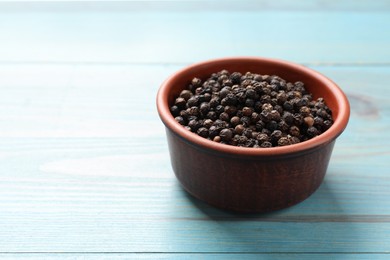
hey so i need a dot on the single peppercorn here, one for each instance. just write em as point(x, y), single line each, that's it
point(312, 131)
point(204, 108)
point(230, 110)
point(274, 115)
point(224, 116)
point(272, 125)
point(180, 102)
point(327, 124)
point(203, 132)
point(219, 109)
point(261, 137)
point(214, 102)
point(193, 101)
point(194, 125)
point(224, 92)
point(266, 144)
point(235, 120)
point(217, 139)
point(283, 141)
point(308, 121)
point(186, 94)
point(294, 131)
point(288, 117)
point(214, 131)
point(226, 135)
point(305, 111)
point(245, 120)
point(246, 111)
point(180, 120)
point(288, 106)
point(208, 123)
point(212, 115)
point(255, 117)
point(247, 132)
point(175, 110)
point(239, 129)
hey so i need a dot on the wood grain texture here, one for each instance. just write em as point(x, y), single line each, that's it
point(84, 164)
point(146, 35)
point(201, 256)
point(85, 168)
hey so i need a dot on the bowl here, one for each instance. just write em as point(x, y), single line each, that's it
point(251, 179)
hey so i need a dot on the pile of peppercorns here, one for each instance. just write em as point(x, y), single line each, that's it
point(251, 110)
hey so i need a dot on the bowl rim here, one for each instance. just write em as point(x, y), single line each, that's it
point(328, 136)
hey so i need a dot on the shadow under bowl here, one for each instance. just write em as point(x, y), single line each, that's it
point(251, 179)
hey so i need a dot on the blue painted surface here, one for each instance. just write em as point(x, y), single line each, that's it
point(84, 164)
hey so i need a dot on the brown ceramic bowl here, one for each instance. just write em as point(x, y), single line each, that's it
point(251, 179)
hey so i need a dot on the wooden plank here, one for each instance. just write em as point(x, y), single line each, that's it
point(143, 36)
point(158, 256)
point(84, 167)
point(194, 5)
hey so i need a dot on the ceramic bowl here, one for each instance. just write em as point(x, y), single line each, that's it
point(251, 179)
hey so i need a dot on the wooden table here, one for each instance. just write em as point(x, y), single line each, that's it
point(84, 163)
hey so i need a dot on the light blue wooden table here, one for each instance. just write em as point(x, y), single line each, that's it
point(84, 164)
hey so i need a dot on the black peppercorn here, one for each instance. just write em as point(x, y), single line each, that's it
point(180, 102)
point(312, 131)
point(246, 111)
point(308, 121)
point(266, 144)
point(224, 116)
point(175, 111)
point(318, 122)
point(294, 131)
point(196, 82)
point(180, 120)
point(327, 124)
point(288, 117)
point(208, 123)
point(214, 131)
point(186, 94)
point(288, 106)
point(239, 129)
point(217, 139)
point(219, 109)
point(245, 120)
point(194, 124)
point(203, 132)
point(249, 102)
point(276, 135)
point(283, 141)
point(214, 102)
point(283, 126)
point(274, 115)
point(226, 135)
point(272, 125)
point(261, 137)
point(260, 125)
point(235, 120)
point(212, 115)
point(193, 101)
point(247, 132)
point(305, 111)
point(224, 92)
point(230, 110)
point(204, 108)
point(255, 117)
point(193, 111)
point(250, 110)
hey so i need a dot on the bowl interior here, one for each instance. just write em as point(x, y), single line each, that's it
point(317, 84)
